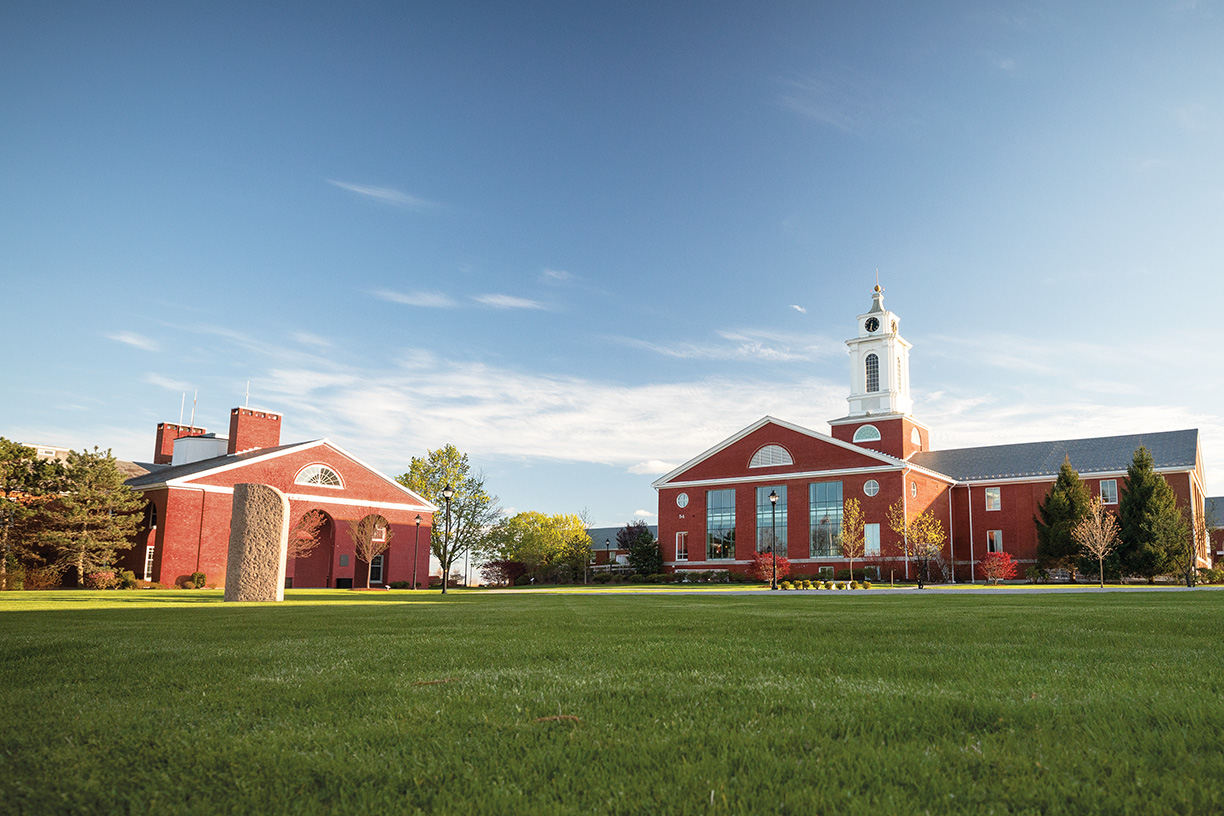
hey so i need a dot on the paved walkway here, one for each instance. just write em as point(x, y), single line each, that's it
point(876, 589)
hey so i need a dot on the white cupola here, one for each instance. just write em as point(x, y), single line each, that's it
point(879, 363)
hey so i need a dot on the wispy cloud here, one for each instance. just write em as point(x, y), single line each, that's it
point(167, 383)
point(837, 99)
point(429, 300)
point(386, 195)
point(308, 339)
point(507, 302)
point(653, 467)
point(135, 340)
point(799, 309)
point(745, 345)
point(644, 514)
point(555, 276)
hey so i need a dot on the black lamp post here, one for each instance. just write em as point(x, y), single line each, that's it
point(447, 493)
point(416, 549)
point(773, 538)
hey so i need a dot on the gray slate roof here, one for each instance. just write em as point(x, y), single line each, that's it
point(1104, 454)
point(1215, 510)
point(601, 534)
point(167, 472)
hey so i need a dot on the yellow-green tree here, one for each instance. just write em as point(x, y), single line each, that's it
point(850, 538)
point(553, 546)
point(920, 537)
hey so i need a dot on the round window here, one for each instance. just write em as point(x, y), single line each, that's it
point(871, 487)
point(682, 500)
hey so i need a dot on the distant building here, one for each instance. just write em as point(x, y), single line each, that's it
point(189, 489)
point(715, 512)
point(604, 549)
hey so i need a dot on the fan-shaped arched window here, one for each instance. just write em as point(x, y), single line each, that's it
point(872, 367)
point(867, 433)
point(770, 456)
point(320, 475)
point(916, 438)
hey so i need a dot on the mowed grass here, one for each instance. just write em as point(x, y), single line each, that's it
point(173, 702)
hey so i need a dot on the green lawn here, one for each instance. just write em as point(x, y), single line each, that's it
point(172, 702)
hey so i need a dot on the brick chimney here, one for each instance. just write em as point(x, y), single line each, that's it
point(252, 430)
point(167, 432)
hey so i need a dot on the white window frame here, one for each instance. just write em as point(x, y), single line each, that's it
point(1114, 484)
point(867, 433)
point(913, 490)
point(682, 546)
point(994, 541)
point(149, 556)
point(871, 540)
point(376, 569)
point(315, 469)
point(380, 533)
point(771, 456)
point(871, 487)
point(994, 498)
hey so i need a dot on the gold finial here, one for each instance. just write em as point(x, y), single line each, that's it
point(878, 287)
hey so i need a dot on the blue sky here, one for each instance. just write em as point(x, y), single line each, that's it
point(586, 241)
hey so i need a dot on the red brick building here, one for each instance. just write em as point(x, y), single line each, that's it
point(190, 488)
point(715, 512)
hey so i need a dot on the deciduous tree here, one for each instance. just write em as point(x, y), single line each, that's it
point(473, 510)
point(850, 539)
point(762, 567)
point(1097, 535)
point(371, 535)
point(920, 537)
point(26, 483)
point(1063, 508)
point(307, 534)
point(542, 543)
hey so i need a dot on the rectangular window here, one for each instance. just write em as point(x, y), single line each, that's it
point(720, 525)
point(993, 499)
point(681, 546)
point(871, 540)
point(376, 567)
point(826, 518)
point(148, 570)
point(994, 541)
point(771, 518)
point(344, 560)
point(1109, 491)
point(380, 533)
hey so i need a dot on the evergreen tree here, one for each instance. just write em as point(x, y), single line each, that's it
point(1152, 528)
point(1067, 503)
point(94, 518)
point(645, 557)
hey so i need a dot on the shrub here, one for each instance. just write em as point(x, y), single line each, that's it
point(1036, 575)
point(198, 580)
point(996, 567)
point(126, 579)
point(101, 580)
point(807, 584)
point(400, 585)
point(854, 585)
point(46, 577)
point(522, 580)
point(763, 566)
point(860, 574)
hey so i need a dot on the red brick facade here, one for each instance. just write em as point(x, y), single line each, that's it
point(190, 520)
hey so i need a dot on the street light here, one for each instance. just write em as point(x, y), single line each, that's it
point(447, 493)
point(773, 537)
point(416, 547)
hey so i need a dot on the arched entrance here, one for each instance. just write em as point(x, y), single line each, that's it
point(311, 544)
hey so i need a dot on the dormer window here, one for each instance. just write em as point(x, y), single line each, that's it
point(867, 433)
point(771, 456)
point(872, 368)
point(320, 475)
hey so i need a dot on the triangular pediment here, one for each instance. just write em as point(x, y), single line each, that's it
point(809, 451)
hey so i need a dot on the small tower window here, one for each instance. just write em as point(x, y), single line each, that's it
point(867, 433)
point(872, 368)
point(771, 456)
point(318, 475)
point(915, 438)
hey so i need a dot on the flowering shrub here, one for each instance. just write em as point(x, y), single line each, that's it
point(866, 585)
point(854, 584)
point(996, 567)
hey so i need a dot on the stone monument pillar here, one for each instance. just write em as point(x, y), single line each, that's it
point(258, 544)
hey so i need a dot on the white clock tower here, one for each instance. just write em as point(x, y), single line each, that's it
point(879, 364)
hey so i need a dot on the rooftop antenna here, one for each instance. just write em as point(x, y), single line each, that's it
point(182, 405)
point(193, 404)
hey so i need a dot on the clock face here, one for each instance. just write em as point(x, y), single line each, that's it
point(872, 324)
point(682, 500)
